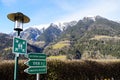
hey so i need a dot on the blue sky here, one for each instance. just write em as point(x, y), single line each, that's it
point(44, 12)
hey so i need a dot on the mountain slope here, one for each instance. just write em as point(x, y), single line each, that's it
point(6, 42)
point(90, 27)
point(31, 34)
point(50, 34)
point(81, 36)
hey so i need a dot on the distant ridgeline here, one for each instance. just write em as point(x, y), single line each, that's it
point(94, 37)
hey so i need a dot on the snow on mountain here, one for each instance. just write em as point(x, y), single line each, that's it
point(41, 27)
point(65, 25)
point(118, 21)
point(68, 24)
point(31, 33)
point(93, 18)
point(60, 25)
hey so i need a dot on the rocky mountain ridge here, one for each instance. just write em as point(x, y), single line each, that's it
point(79, 33)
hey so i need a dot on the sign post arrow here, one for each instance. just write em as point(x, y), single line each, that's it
point(35, 70)
point(36, 56)
point(36, 62)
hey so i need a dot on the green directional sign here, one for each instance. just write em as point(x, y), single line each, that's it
point(19, 45)
point(35, 70)
point(36, 62)
point(37, 56)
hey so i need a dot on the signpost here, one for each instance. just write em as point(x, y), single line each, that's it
point(37, 64)
point(19, 45)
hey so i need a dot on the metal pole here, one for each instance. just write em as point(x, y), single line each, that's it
point(37, 77)
point(16, 67)
point(16, 63)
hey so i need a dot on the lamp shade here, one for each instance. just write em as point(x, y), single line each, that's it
point(19, 18)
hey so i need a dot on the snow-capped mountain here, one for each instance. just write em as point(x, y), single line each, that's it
point(92, 18)
point(34, 32)
point(81, 32)
point(61, 26)
point(31, 34)
point(43, 32)
point(50, 34)
point(65, 25)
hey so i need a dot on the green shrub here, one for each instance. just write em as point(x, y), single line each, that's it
point(65, 70)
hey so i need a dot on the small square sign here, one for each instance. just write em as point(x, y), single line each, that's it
point(19, 45)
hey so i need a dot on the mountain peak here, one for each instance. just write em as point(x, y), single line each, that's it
point(93, 18)
point(53, 25)
point(88, 18)
point(99, 17)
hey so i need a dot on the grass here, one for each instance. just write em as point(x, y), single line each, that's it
point(8, 48)
point(61, 44)
point(37, 43)
point(60, 57)
point(98, 37)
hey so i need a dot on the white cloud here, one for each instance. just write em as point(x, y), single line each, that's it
point(8, 2)
point(63, 4)
point(102, 8)
point(41, 26)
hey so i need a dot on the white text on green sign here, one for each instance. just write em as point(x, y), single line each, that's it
point(36, 56)
point(36, 62)
point(35, 70)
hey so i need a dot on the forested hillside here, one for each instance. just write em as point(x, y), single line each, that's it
point(92, 37)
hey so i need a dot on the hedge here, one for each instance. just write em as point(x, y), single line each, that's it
point(66, 70)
